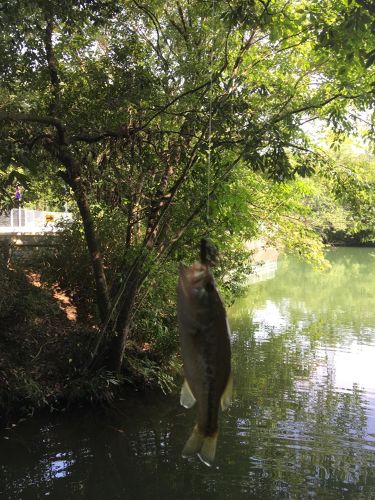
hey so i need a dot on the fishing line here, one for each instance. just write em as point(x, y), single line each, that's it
point(210, 119)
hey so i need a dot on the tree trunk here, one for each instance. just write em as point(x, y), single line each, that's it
point(118, 342)
point(73, 178)
point(93, 248)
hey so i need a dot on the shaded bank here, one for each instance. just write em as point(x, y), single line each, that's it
point(45, 346)
point(342, 239)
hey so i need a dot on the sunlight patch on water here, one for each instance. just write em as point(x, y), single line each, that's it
point(60, 466)
point(355, 367)
point(269, 317)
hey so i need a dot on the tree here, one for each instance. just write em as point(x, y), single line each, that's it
point(126, 102)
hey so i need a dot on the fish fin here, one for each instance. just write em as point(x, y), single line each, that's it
point(187, 399)
point(208, 450)
point(193, 444)
point(226, 397)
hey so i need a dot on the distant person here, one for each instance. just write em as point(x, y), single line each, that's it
point(18, 196)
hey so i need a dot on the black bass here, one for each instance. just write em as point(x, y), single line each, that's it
point(206, 353)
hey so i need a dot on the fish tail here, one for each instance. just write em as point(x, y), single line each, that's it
point(208, 450)
point(193, 444)
point(205, 446)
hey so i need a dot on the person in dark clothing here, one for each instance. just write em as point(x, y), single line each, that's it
point(17, 196)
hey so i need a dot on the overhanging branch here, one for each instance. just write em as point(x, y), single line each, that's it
point(27, 117)
point(321, 104)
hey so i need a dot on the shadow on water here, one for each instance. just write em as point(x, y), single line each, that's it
point(302, 423)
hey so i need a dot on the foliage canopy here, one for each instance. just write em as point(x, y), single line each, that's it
point(114, 99)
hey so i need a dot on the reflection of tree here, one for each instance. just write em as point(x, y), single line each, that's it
point(277, 441)
point(328, 302)
point(295, 428)
point(36, 462)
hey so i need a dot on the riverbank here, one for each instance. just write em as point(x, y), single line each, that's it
point(42, 347)
point(45, 350)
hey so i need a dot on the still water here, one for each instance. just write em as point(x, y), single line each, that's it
point(301, 426)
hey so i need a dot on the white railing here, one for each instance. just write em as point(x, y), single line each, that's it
point(25, 220)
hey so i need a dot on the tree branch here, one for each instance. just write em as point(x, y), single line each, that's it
point(321, 104)
point(26, 117)
point(52, 66)
point(158, 30)
point(126, 132)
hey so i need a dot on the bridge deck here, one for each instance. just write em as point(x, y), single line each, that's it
point(28, 221)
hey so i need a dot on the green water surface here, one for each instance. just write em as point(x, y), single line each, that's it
point(301, 425)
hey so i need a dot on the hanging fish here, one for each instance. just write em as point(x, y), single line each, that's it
point(206, 353)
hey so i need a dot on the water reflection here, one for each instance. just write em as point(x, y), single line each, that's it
point(309, 349)
point(302, 424)
point(263, 271)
